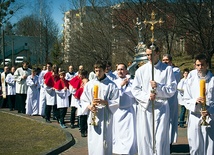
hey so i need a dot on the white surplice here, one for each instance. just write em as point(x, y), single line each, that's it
point(62, 99)
point(11, 84)
point(200, 138)
point(21, 86)
point(141, 89)
point(124, 121)
point(100, 136)
point(42, 98)
point(180, 88)
point(32, 101)
point(173, 106)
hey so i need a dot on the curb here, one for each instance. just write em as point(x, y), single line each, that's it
point(70, 141)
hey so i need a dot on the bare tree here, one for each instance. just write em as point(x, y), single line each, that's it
point(194, 23)
point(48, 29)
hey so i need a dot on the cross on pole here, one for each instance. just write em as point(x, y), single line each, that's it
point(152, 47)
point(153, 22)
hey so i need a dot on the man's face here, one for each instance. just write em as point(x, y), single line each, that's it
point(108, 68)
point(25, 65)
point(185, 74)
point(62, 76)
point(6, 69)
point(33, 72)
point(99, 72)
point(48, 67)
point(13, 69)
point(70, 69)
point(201, 66)
point(166, 60)
point(80, 67)
point(121, 71)
point(149, 55)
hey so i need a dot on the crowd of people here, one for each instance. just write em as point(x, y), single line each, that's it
point(116, 113)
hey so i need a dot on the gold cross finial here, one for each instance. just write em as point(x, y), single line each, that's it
point(153, 22)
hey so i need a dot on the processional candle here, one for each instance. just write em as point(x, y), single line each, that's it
point(95, 91)
point(202, 87)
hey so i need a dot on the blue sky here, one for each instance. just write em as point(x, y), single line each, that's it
point(55, 6)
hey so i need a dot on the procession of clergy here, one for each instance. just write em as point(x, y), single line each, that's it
point(123, 115)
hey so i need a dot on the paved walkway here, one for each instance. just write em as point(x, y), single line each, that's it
point(80, 143)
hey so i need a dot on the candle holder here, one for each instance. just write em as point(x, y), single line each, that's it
point(93, 119)
point(203, 105)
point(94, 114)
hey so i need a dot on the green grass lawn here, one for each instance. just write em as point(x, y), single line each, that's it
point(22, 136)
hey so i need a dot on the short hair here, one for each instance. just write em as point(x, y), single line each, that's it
point(62, 72)
point(55, 69)
point(168, 56)
point(186, 70)
point(49, 63)
point(201, 57)
point(108, 63)
point(83, 72)
point(100, 64)
point(156, 49)
point(122, 64)
point(33, 70)
point(25, 62)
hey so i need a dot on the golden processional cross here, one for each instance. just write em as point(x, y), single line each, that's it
point(152, 47)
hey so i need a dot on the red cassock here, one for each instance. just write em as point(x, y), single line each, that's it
point(76, 82)
point(60, 84)
point(78, 93)
point(50, 79)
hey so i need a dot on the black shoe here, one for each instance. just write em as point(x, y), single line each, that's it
point(72, 126)
point(83, 135)
point(48, 121)
point(182, 126)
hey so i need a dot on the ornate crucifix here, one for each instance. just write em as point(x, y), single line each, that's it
point(153, 22)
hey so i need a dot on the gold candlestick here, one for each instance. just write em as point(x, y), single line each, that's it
point(94, 114)
point(202, 94)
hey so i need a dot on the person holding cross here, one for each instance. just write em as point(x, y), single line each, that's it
point(153, 84)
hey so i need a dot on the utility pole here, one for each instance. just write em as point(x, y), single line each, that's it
point(2, 45)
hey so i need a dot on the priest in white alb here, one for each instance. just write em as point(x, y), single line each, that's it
point(124, 122)
point(146, 91)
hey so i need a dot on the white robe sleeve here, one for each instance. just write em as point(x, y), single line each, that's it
point(85, 99)
point(169, 88)
point(62, 93)
point(29, 81)
point(113, 98)
point(141, 95)
point(10, 80)
point(189, 100)
point(17, 75)
point(210, 97)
